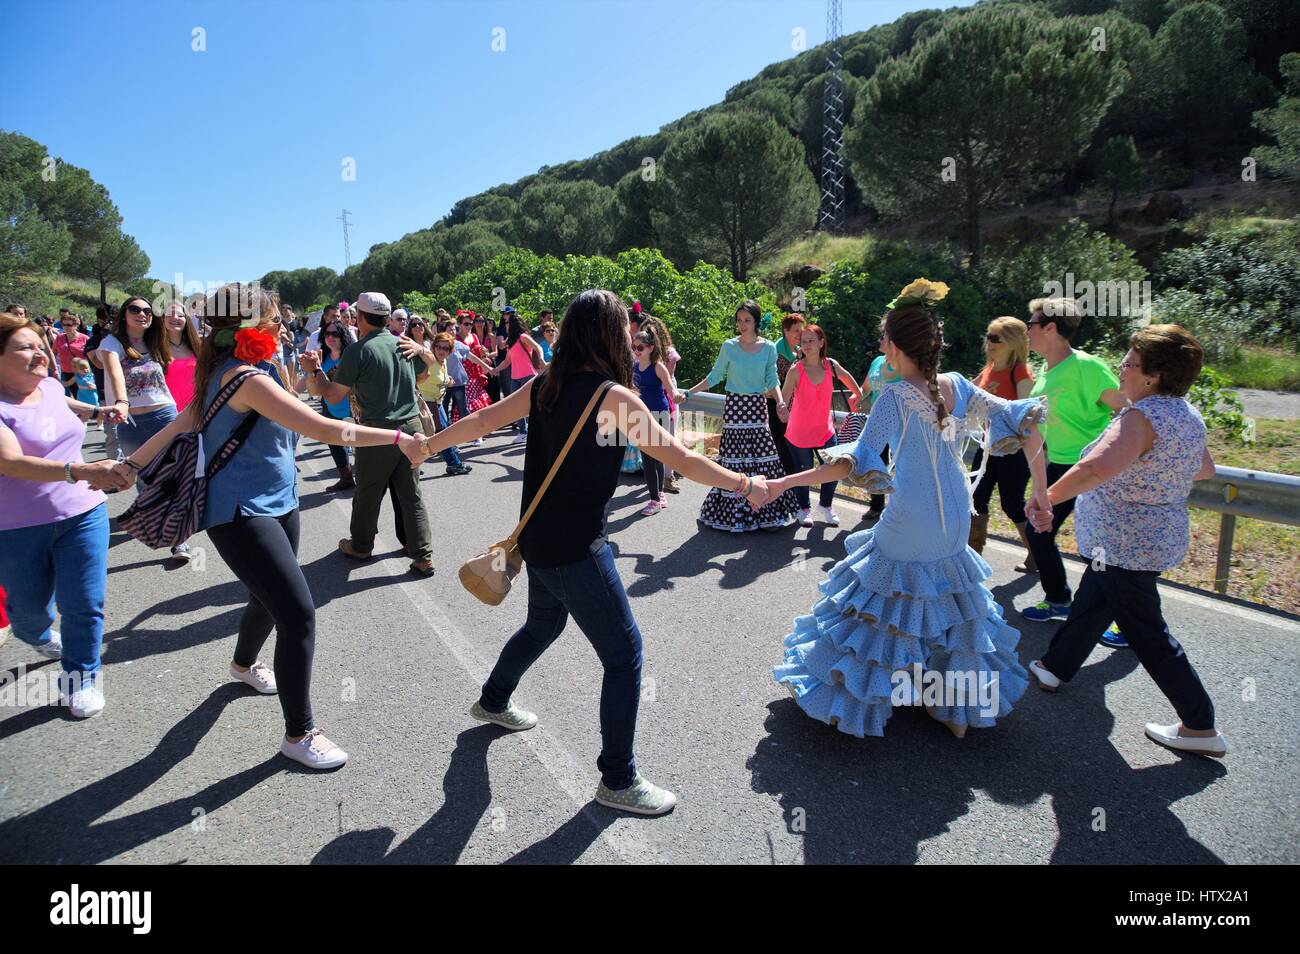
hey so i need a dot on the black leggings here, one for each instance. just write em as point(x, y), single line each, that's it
point(337, 451)
point(1010, 474)
point(654, 475)
point(263, 552)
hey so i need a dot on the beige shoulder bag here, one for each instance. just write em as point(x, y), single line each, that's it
point(489, 575)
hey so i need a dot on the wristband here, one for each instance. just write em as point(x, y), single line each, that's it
point(67, 473)
point(130, 463)
point(397, 438)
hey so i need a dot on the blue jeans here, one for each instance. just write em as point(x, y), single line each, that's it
point(451, 456)
point(592, 593)
point(63, 563)
point(509, 386)
point(803, 460)
point(135, 433)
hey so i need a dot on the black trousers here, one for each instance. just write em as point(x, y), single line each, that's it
point(1051, 568)
point(878, 500)
point(777, 427)
point(1010, 474)
point(263, 553)
point(1130, 598)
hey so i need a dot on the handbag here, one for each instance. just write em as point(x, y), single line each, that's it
point(489, 576)
point(174, 485)
point(427, 424)
point(854, 421)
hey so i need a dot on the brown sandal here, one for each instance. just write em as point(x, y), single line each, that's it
point(346, 548)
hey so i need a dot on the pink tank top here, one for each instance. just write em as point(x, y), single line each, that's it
point(810, 411)
point(180, 381)
point(521, 365)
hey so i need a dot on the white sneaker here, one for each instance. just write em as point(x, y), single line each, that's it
point(478, 442)
point(520, 439)
point(181, 553)
point(1046, 680)
point(259, 676)
point(805, 517)
point(86, 702)
point(1215, 746)
point(314, 751)
point(828, 515)
point(52, 648)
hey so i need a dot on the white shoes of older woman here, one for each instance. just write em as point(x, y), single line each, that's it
point(1215, 746)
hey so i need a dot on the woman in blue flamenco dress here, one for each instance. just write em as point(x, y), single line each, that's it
point(909, 598)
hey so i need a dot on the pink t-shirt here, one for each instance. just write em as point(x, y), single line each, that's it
point(521, 364)
point(44, 429)
point(66, 350)
point(180, 380)
point(810, 410)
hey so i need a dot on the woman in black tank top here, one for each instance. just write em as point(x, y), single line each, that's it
point(571, 569)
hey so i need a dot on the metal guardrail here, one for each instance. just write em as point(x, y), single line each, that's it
point(1232, 492)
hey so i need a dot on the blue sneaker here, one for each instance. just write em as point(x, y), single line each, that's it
point(1045, 612)
point(1114, 638)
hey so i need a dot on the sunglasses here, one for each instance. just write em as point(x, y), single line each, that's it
point(641, 347)
point(333, 334)
point(137, 310)
point(993, 339)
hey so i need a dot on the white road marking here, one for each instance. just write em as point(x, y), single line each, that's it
point(577, 782)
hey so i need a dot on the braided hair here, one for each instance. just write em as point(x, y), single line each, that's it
point(916, 332)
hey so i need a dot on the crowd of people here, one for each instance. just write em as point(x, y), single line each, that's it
point(392, 389)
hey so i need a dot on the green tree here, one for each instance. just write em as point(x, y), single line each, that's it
point(109, 256)
point(633, 205)
point(990, 109)
point(732, 187)
point(559, 218)
point(1120, 171)
point(1282, 123)
point(1201, 75)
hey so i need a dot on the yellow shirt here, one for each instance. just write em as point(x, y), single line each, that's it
point(432, 387)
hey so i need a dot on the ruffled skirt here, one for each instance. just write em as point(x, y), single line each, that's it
point(884, 627)
point(747, 448)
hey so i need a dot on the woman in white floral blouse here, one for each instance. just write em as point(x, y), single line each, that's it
point(1131, 523)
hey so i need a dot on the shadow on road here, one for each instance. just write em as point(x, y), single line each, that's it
point(66, 830)
point(875, 800)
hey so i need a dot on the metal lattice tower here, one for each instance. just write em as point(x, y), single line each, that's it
point(831, 217)
point(347, 250)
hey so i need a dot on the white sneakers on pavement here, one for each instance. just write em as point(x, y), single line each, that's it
point(258, 675)
point(314, 751)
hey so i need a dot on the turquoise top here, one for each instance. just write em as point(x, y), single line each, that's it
point(261, 478)
point(745, 373)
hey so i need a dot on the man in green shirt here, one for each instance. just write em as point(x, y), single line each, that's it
point(379, 369)
point(1081, 393)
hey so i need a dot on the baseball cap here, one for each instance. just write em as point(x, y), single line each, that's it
point(373, 303)
point(508, 310)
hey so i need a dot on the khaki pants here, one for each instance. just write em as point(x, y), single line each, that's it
point(374, 468)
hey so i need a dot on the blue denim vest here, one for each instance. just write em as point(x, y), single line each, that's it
point(261, 478)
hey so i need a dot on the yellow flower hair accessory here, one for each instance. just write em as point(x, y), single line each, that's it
point(922, 292)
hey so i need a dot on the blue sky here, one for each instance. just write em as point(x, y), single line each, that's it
point(227, 163)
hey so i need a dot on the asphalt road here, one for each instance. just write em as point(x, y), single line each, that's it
point(183, 767)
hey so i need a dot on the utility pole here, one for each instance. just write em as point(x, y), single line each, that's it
point(831, 216)
point(347, 250)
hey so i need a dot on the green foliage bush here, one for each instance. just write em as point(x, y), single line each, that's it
point(697, 305)
point(1242, 282)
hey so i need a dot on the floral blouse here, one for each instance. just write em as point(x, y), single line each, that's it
point(1138, 519)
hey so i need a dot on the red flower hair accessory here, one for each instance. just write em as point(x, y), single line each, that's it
point(253, 345)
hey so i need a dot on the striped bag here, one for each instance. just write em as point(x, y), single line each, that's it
point(174, 485)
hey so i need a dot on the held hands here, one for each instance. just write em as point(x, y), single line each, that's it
point(1038, 511)
point(416, 449)
point(116, 413)
point(783, 412)
point(762, 491)
point(107, 475)
point(310, 361)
